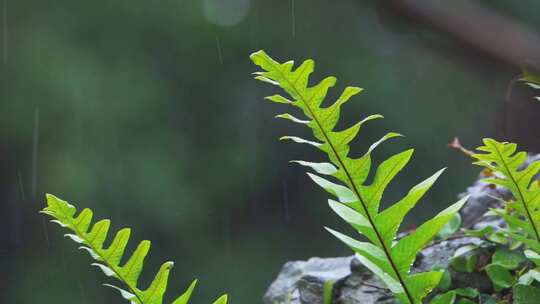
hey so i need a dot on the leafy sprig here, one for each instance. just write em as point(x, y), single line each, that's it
point(358, 202)
point(108, 259)
point(523, 212)
point(510, 169)
point(532, 79)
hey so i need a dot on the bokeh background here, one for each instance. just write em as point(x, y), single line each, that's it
point(146, 112)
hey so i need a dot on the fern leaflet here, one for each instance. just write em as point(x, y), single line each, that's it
point(357, 202)
point(108, 259)
point(502, 159)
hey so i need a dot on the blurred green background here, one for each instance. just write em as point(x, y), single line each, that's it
point(146, 111)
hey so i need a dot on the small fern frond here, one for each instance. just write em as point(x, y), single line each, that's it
point(532, 79)
point(92, 238)
point(510, 172)
point(357, 202)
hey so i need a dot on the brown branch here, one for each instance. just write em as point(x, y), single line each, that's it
point(477, 26)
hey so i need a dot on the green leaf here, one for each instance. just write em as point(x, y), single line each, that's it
point(526, 294)
point(355, 219)
point(389, 220)
point(222, 300)
point(184, 298)
point(480, 233)
point(445, 298)
point(446, 279)
point(394, 285)
point(154, 293)
point(530, 276)
point(507, 259)
point(358, 203)
point(464, 249)
point(465, 259)
point(343, 194)
point(384, 175)
point(531, 243)
point(532, 256)
point(451, 227)
point(465, 263)
point(500, 276)
point(278, 99)
point(292, 118)
point(300, 140)
point(366, 250)
point(321, 168)
point(487, 299)
point(92, 239)
point(514, 221)
point(530, 76)
point(467, 292)
point(405, 251)
point(420, 284)
point(498, 237)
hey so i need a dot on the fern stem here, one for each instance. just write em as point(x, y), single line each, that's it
point(87, 242)
point(377, 233)
point(355, 189)
point(520, 193)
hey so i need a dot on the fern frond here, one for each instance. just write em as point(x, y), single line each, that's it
point(357, 202)
point(108, 259)
point(532, 79)
point(507, 165)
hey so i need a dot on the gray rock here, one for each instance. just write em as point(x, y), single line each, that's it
point(302, 281)
point(361, 286)
point(482, 197)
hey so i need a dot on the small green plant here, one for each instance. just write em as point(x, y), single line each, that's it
point(508, 267)
point(465, 295)
point(508, 255)
point(523, 213)
point(358, 202)
point(108, 259)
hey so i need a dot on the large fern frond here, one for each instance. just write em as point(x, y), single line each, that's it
point(510, 172)
point(108, 259)
point(358, 202)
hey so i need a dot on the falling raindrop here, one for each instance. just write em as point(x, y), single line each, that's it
point(226, 228)
point(15, 222)
point(82, 291)
point(45, 232)
point(4, 31)
point(35, 144)
point(21, 186)
point(285, 200)
point(218, 46)
point(293, 21)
